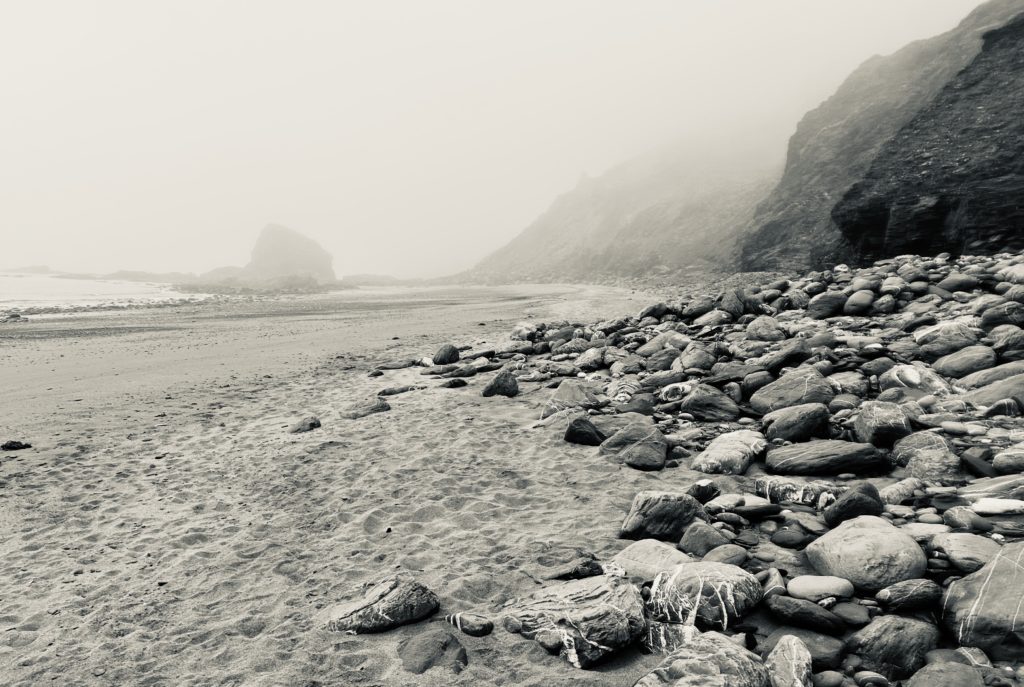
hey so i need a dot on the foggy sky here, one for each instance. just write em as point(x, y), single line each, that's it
point(409, 138)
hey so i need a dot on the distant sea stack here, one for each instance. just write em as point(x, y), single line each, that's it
point(918, 151)
point(281, 253)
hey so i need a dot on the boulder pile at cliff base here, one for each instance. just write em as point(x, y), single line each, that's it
point(861, 521)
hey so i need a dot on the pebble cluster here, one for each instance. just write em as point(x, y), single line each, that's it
point(860, 517)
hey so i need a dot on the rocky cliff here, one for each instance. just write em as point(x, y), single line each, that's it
point(665, 212)
point(952, 179)
point(836, 145)
point(281, 253)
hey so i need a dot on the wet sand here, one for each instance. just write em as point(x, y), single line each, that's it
point(166, 529)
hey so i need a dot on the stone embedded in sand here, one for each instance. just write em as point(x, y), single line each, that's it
point(306, 424)
point(582, 620)
point(470, 623)
point(797, 387)
point(503, 384)
point(430, 648)
point(984, 608)
point(731, 453)
point(645, 558)
point(660, 515)
point(582, 431)
point(573, 394)
point(797, 423)
point(398, 600)
point(708, 660)
point(869, 552)
point(881, 424)
point(789, 663)
point(714, 594)
point(364, 408)
point(825, 457)
point(446, 355)
point(14, 445)
point(893, 645)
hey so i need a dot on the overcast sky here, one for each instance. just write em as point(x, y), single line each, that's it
point(409, 138)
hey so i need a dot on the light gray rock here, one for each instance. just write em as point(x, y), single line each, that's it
point(708, 660)
point(827, 457)
point(397, 600)
point(803, 385)
point(715, 594)
point(869, 552)
point(731, 453)
point(643, 560)
point(789, 663)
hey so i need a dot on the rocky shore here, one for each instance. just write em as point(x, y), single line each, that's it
point(861, 516)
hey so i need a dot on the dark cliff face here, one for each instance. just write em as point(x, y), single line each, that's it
point(952, 179)
point(671, 211)
point(836, 144)
point(281, 253)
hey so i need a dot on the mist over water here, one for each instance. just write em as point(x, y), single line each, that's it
point(406, 138)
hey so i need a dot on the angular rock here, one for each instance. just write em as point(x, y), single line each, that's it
point(660, 515)
point(503, 384)
point(852, 504)
point(893, 645)
point(826, 457)
point(731, 453)
point(582, 431)
point(789, 663)
point(714, 594)
point(636, 445)
point(984, 608)
point(869, 552)
point(397, 600)
point(581, 620)
point(826, 652)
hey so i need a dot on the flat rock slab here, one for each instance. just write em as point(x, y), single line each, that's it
point(826, 457)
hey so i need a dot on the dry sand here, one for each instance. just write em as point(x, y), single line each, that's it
point(167, 530)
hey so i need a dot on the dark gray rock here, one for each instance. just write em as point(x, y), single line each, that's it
point(806, 614)
point(893, 645)
point(446, 355)
point(800, 386)
point(827, 457)
point(881, 424)
point(582, 431)
point(660, 515)
point(503, 384)
point(432, 647)
point(797, 423)
point(708, 404)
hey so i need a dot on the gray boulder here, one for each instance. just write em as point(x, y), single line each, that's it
point(660, 515)
point(708, 660)
point(893, 645)
point(803, 385)
point(731, 453)
point(714, 594)
point(826, 457)
point(797, 423)
point(869, 552)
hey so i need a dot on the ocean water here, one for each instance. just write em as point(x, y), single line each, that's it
point(39, 293)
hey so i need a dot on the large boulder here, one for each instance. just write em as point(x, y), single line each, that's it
point(966, 552)
point(731, 453)
point(708, 660)
point(869, 552)
point(893, 645)
point(660, 515)
point(965, 361)
point(714, 594)
point(1010, 387)
point(502, 384)
point(803, 385)
point(582, 620)
point(397, 600)
point(983, 609)
point(826, 457)
point(281, 254)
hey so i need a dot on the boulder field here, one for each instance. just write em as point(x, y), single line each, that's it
point(848, 502)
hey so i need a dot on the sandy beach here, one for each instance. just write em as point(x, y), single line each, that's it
point(166, 529)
